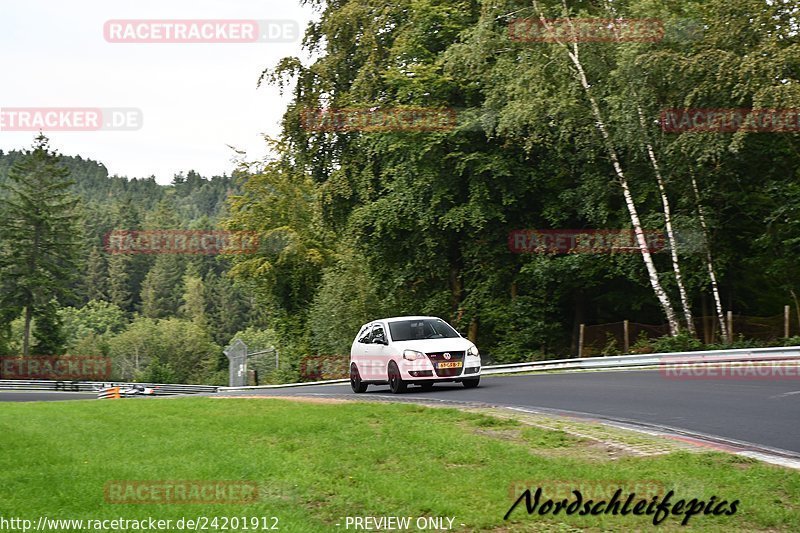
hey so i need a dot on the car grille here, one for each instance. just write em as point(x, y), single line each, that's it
point(455, 357)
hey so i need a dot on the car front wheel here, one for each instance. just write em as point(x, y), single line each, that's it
point(471, 383)
point(396, 383)
point(355, 380)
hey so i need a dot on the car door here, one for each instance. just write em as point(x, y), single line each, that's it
point(379, 354)
point(359, 350)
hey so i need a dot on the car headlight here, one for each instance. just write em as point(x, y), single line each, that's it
point(412, 355)
point(473, 351)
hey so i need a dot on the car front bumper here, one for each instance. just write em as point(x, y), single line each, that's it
point(424, 370)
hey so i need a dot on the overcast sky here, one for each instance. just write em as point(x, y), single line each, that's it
point(196, 99)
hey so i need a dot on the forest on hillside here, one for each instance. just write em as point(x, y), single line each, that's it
point(358, 222)
point(160, 317)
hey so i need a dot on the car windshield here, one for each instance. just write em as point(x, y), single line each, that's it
point(425, 328)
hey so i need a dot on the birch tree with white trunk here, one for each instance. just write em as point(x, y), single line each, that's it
point(723, 326)
point(573, 52)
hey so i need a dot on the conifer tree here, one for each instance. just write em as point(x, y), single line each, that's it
point(39, 231)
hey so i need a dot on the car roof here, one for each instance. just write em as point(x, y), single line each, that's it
point(399, 318)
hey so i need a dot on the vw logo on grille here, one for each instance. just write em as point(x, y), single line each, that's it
point(447, 355)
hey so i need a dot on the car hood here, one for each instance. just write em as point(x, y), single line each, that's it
point(456, 344)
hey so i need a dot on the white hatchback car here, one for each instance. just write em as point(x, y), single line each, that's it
point(421, 350)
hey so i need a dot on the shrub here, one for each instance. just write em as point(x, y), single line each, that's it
point(683, 342)
point(612, 346)
point(642, 345)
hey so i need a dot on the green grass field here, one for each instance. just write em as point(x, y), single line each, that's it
point(316, 464)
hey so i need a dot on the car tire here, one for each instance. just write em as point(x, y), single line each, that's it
point(357, 385)
point(471, 383)
point(396, 383)
point(426, 385)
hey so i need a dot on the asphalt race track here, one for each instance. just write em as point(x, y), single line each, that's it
point(44, 396)
point(765, 412)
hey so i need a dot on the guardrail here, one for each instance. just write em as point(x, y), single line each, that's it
point(160, 389)
point(611, 362)
point(657, 359)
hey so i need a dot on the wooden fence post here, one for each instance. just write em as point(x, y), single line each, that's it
point(580, 341)
point(626, 347)
point(730, 327)
point(786, 321)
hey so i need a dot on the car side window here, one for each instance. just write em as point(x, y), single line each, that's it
point(364, 335)
point(377, 331)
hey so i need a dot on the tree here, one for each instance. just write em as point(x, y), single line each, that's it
point(279, 203)
point(118, 281)
point(161, 289)
point(331, 324)
point(227, 308)
point(97, 317)
point(96, 279)
point(172, 347)
point(39, 231)
point(49, 336)
point(126, 272)
point(194, 297)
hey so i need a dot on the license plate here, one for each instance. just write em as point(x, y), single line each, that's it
point(450, 365)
